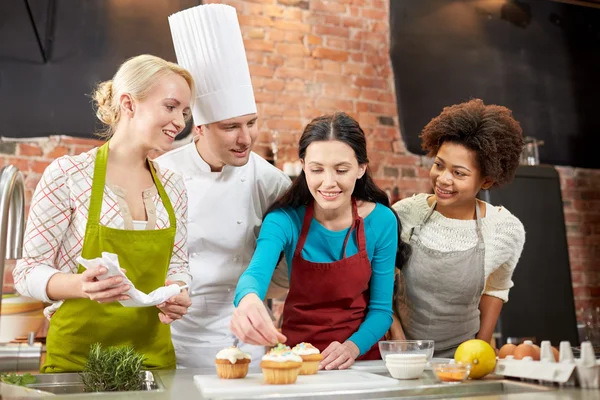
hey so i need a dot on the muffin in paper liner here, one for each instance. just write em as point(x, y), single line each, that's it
point(232, 363)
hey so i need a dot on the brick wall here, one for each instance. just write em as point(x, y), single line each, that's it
point(312, 57)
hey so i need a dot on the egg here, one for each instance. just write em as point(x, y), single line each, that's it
point(524, 350)
point(556, 353)
point(537, 352)
point(506, 350)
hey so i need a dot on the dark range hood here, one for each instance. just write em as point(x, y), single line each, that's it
point(54, 52)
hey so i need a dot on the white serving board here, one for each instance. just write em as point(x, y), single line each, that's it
point(378, 366)
point(212, 387)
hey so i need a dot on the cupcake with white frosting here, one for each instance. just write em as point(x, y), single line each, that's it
point(280, 366)
point(232, 363)
point(311, 357)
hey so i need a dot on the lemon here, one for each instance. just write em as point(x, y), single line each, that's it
point(479, 354)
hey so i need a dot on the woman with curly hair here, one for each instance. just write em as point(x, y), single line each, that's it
point(464, 250)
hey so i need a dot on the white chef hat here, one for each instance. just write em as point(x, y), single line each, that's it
point(208, 43)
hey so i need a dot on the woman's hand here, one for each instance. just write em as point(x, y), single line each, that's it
point(339, 355)
point(396, 332)
point(252, 324)
point(104, 291)
point(176, 307)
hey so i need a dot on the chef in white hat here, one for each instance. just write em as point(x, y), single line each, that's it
point(229, 186)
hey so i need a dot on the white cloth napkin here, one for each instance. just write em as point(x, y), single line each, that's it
point(136, 298)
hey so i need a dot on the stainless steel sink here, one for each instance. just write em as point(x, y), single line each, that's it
point(70, 383)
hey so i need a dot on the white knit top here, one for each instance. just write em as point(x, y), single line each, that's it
point(503, 234)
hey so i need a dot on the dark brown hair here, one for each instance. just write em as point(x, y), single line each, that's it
point(489, 130)
point(342, 127)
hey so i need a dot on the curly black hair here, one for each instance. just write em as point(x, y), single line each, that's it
point(489, 130)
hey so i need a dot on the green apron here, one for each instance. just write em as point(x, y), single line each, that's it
point(79, 323)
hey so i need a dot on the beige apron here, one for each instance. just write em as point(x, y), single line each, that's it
point(439, 292)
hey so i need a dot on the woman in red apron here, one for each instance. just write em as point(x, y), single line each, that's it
point(113, 199)
point(340, 239)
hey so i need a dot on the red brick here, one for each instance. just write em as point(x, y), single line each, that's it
point(370, 82)
point(314, 40)
point(264, 136)
point(350, 92)
point(323, 77)
point(333, 7)
point(275, 85)
point(294, 86)
point(29, 150)
point(383, 145)
point(352, 69)
point(332, 67)
point(335, 43)
point(284, 124)
point(258, 82)
point(288, 138)
point(58, 151)
point(260, 70)
point(332, 20)
point(22, 164)
point(264, 97)
point(338, 31)
point(336, 55)
point(38, 166)
point(374, 14)
point(254, 20)
point(328, 105)
point(256, 33)
point(295, 62)
point(255, 57)
point(276, 35)
point(275, 61)
point(292, 112)
point(258, 45)
point(291, 49)
point(357, 57)
point(350, 22)
point(294, 37)
point(294, 14)
point(272, 109)
point(273, 10)
point(86, 142)
point(292, 26)
point(300, 73)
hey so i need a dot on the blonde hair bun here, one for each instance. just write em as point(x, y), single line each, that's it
point(103, 97)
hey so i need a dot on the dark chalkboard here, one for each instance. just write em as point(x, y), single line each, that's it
point(85, 41)
point(540, 58)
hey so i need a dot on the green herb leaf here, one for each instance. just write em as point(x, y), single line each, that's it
point(113, 369)
point(20, 380)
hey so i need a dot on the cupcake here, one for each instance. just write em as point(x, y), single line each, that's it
point(280, 366)
point(311, 357)
point(232, 363)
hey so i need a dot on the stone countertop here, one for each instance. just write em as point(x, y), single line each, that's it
point(179, 385)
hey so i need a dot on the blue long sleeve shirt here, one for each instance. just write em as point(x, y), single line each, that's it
point(280, 232)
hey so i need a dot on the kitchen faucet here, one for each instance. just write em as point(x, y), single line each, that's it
point(14, 357)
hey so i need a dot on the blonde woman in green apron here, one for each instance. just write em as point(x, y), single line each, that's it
point(113, 199)
point(464, 250)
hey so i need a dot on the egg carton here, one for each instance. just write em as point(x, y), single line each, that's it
point(568, 371)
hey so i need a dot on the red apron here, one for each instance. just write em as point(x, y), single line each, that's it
point(327, 302)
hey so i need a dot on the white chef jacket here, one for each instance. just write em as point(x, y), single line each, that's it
point(225, 212)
